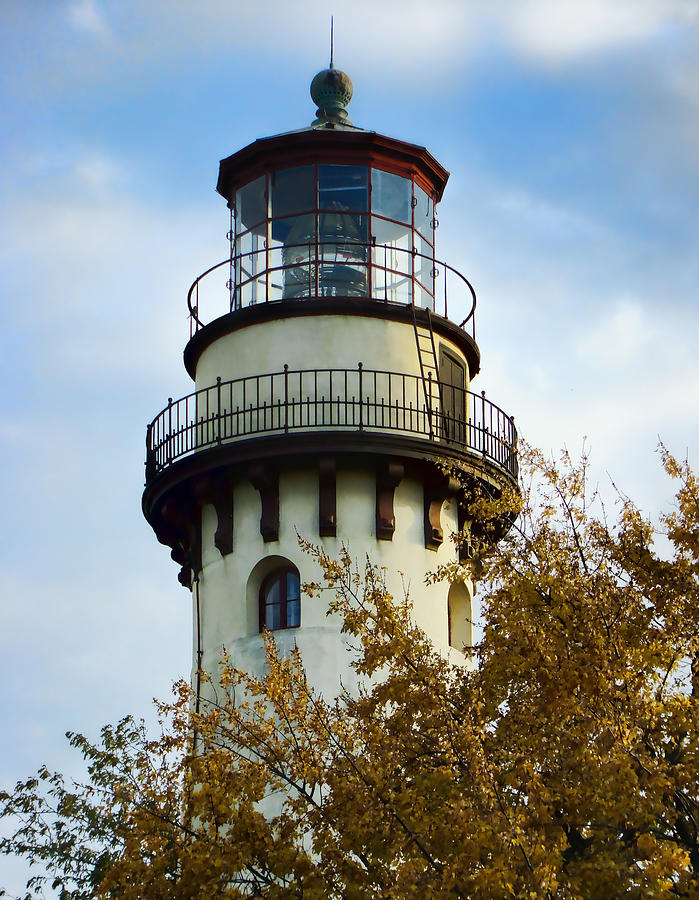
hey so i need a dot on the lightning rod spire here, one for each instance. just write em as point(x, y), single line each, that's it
point(332, 29)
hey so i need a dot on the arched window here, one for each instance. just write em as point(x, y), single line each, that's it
point(459, 617)
point(280, 600)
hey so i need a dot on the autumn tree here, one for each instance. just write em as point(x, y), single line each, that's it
point(563, 763)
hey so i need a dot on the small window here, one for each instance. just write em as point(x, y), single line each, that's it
point(280, 600)
point(459, 617)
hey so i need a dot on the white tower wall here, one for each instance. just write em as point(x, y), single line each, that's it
point(319, 342)
point(229, 585)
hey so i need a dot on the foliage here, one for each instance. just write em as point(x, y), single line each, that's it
point(564, 763)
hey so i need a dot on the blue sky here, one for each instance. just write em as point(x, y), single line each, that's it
point(571, 133)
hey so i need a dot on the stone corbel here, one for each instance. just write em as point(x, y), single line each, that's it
point(387, 480)
point(266, 481)
point(223, 536)
point(437, 490)
point(217, 489)
point(327, 497)
point(181, 518)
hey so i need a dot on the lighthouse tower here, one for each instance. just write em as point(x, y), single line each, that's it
point(332, 356)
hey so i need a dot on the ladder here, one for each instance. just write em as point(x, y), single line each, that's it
point(429, 368)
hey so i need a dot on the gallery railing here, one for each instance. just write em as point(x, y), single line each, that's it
point(358, 399)
point(379, 272)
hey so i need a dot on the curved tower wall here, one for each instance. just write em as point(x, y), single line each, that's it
point(320, 342)
point(229, 586)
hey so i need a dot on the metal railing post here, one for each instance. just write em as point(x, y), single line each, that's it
point(218, 407)
point(150, 455)
point(360, 368)
point(446, 281)
point(286, 398)
point(169, 430)
point(431, 425)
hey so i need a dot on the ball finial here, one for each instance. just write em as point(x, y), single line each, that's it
point(331, 91)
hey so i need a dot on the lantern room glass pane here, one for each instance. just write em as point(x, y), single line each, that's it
point(394, 287)
point(393, 234)
point(390, 195)
point(342, 252)
point(423, 297)
point(340, 274)
point(250, 266)
point(346, 227)
point(294, 230)
point(293, 190)
point(425, 272)
point(424, 213)
point(425, 251)
point(293, 247)
point(298, 274)
point(250, 205)
point(343, 188)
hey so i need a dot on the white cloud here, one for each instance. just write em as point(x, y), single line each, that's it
point(529, 211)
point(619, 338)
point(556, 31)
point(14, 432)
point(400, 31)
point(99, 171)
point(86, 16)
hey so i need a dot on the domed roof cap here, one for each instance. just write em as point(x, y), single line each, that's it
point(331, 91)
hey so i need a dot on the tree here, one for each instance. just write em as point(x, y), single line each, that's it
point(564, 764)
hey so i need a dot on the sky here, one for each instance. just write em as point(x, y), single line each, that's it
point(571, 133)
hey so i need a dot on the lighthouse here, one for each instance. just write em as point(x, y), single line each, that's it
point(332, 357)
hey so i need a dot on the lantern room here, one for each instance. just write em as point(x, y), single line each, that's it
point(360, 225)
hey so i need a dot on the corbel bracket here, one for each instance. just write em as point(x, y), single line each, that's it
point(266, 481)
point(217, 489)
point(387, 480)
point(182, 520)
point(437, 490)
point(327, 497)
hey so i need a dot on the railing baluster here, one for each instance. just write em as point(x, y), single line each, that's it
point(286, 397)
point(218, 406)
point(360, 368)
